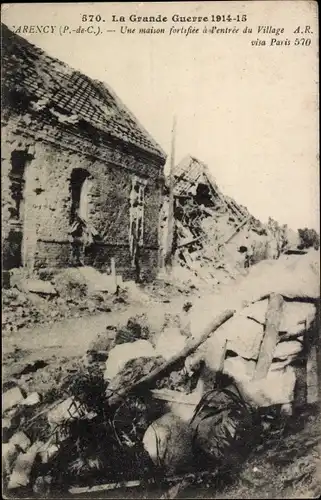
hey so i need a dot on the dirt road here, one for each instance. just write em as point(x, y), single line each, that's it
point(69, 338)
point(66, 338)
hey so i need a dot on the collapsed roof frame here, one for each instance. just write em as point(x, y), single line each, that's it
point(189, 171)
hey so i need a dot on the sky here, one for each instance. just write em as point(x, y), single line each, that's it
point(249, 112)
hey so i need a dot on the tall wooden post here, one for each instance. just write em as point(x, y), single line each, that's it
point(170, 221)
point(113, 270)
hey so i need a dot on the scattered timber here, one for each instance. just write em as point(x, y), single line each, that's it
point(166, 367)
point(271, 334)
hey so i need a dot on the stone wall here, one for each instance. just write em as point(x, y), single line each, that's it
point(45, 216)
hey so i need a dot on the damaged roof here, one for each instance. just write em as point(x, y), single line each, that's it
point(30, 71)
point(191, 172)
point(188, 173)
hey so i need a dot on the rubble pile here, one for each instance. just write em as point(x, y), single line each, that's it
point(22, 309)
point(55, 295)
point(241, 338)
point(151, 392)
point(45, 412)
point(218, 253)
point(215, 238)
point(17, 311)
point(199, 235)
point(67, 442)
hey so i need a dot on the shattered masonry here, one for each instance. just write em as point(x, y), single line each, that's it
point(212, 231)
point(71, 147)
point(83, 182)
point(76, 160)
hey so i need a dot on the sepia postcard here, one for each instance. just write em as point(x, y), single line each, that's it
point(160, 250)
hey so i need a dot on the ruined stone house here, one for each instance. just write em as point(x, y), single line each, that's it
point(73, 153)
point(199, 198)
point(211, 227)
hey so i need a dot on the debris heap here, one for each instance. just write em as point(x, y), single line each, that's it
point(215, 237)
point(131, 413)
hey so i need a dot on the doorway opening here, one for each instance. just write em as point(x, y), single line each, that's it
point(12, 251)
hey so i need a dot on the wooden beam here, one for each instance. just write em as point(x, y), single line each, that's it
point(178, 397)
point(222, 356)
point(230, 205)
point(236, 208)
point(113, 270)
point(301, 384)
point(170, 221)
point(169, 365)
point(188, 258)
point(245, 221)
point(214, 188)
point(271, 333)
point(189, 242)
point(81, 490)
point(313, 387)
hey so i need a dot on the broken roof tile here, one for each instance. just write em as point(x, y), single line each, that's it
point(39, 75)
point(188, 173)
